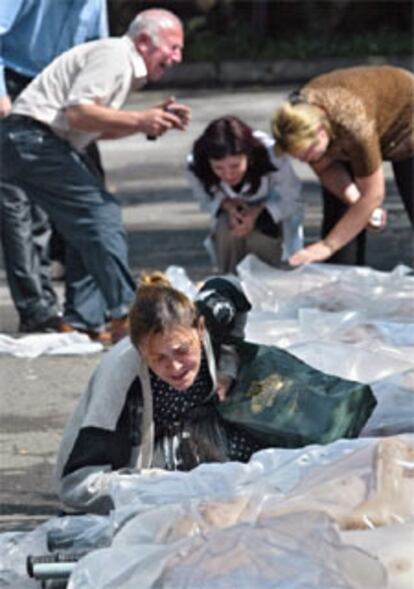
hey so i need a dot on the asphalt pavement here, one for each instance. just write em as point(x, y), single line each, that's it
point(164, 227)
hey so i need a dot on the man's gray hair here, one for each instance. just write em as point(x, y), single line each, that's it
point(151, 21)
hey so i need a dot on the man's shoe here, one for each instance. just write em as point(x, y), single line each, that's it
point(119, 328)
point(54, 324)
point(103, 337)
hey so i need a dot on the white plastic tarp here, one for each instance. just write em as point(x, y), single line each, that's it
point(314, 518)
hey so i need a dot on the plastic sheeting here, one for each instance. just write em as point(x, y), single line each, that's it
point(51, 344)
point(356, 323)
point(319, 517)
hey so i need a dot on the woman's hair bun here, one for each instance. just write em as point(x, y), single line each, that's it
point(154, 279)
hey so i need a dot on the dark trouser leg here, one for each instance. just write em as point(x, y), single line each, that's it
point(25, 236)
point(88, 217)
point(94, 162)
point(57, 247)
point(404, 178)
point(333, 210)
point(84, 302)
point(41, 232)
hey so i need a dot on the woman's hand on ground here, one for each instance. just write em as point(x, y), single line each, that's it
point(316, 252)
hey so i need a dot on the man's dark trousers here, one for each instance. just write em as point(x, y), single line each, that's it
point(55, 177)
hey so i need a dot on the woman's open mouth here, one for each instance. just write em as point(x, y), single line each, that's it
point(181, 376)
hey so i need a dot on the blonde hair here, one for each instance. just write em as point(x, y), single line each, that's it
point(295, 127)
point(158, 306)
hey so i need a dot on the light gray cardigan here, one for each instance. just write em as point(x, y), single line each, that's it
point(88, 488)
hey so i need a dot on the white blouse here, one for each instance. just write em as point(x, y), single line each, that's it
point(99, 72)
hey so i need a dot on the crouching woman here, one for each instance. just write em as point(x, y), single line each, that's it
point(150, 400)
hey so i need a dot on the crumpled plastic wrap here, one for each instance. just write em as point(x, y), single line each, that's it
point(354, 322)
point(48, 344)
point(320, 517)
point(316, 517)
point(377, 295)
point(295, 552)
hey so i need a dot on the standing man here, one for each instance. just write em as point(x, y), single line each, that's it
point(75, 100)
point(32, 34)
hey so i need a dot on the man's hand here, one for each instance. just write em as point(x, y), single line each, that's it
point(316, 252)
point(112, 123)
point(5, 106)
point(157, 121)
point(182, 111)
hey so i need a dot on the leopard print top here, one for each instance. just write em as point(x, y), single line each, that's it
point(371, 110)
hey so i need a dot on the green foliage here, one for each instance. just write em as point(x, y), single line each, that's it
point(205, 45)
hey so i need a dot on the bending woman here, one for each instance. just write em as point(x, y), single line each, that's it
point(344, 124)
point(253, 197)
point(154, 392)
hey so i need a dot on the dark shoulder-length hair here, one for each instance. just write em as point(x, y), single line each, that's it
point(229, 136)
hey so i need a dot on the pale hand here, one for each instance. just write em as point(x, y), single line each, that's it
point(5, 106)
point(248, 221)
point(242, 217)
point(316, 252)
point(235, 211)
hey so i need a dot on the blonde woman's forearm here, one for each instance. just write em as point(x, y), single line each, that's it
point(356, 218)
